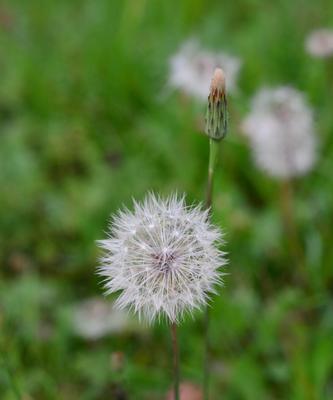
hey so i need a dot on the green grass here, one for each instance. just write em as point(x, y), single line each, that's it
point(86, 123)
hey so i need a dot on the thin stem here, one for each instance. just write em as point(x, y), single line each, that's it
point(206, 355)
point(175, 349)
point(213, 152)
point(10, 376)
point(287, 205)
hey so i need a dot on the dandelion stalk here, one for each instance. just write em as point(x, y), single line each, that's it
point(10, 375)
point(175, 350)
point(213, 153)
point(216, 129)
point(290, 225)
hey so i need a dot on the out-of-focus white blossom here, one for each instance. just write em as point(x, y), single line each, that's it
point(95, 318)
point(281, 131)
point(162, 257)
point(319, 43)
point(192, 68)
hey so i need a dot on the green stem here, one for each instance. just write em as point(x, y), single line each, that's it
point(288, 215)
point(206, 355)
point(10, 375)
point(175, 349)
point(213, 152)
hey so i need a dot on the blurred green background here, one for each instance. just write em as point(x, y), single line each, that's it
point(87, 122)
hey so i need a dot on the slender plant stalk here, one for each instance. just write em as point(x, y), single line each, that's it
point(175, 350)
point(206, 355)
point(6, 367)
point(216, 129)
point(287, 209)
point(213, 152)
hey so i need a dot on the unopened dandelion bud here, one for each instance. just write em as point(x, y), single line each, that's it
point(216, 117)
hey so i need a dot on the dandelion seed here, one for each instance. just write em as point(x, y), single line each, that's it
point(192, 67)
point(169, 269)
point(281, 131)
point(319, 43)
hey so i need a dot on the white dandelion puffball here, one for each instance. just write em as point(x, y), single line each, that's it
point(163, 257)
point(319, 43)
point(192, 68)
point(94, 318)
point(280, 128)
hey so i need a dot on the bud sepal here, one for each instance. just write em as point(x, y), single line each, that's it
point(217, 114)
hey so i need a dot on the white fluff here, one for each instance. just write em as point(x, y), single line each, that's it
point(163, 257)
point(192, 68)
point(281, 131)
point(94, 318)
point(319, 43)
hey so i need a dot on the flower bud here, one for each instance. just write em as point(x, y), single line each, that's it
point(216, 117)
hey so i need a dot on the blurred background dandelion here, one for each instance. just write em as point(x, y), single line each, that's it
point(103, 100)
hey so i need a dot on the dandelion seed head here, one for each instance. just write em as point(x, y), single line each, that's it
point(172, 261)
point(94, 318)
point(192, 67)
point(319, 43)
point(280, 128)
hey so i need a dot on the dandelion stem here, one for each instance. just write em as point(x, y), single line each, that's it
point(213, 152)
point(287, 209)
point(10, 375)
point(206, 355)
point(175, 349)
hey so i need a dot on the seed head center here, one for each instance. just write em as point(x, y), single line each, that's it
point(164, 261)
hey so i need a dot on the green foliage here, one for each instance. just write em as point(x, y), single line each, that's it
point(87, 122)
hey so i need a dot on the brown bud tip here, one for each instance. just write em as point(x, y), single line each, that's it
point(216, 116)
point(218, 81)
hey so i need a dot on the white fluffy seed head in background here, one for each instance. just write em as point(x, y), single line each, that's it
point(319, 43)
point(280, 128)
point(192, 68)
point(94, 318)
point(163, 257)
